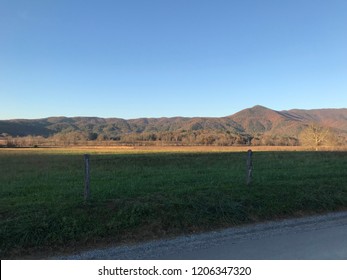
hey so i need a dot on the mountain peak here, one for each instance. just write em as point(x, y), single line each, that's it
point(255, 111)
point(260, 107)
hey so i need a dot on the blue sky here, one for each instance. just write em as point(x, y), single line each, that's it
point(164, 58)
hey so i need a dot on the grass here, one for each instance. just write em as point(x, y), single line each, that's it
point(142, 195)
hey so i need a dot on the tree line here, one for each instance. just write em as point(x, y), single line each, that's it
point(313, 135)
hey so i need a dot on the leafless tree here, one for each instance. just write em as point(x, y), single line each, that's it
point(315, 135)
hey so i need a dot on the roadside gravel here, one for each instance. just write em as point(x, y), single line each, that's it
point(162, 249)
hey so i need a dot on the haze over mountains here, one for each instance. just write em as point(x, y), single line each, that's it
point(252, 123)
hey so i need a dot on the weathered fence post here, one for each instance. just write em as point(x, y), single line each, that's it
point(86, 178)
point(249, 167)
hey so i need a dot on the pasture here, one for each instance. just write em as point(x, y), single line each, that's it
point(140, 194)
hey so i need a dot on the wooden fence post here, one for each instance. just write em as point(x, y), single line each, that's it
point(249, 167)
point(86, 178)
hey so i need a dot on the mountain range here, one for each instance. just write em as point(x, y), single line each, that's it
point(257, 121)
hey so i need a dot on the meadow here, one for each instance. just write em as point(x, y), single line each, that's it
point(140, 194)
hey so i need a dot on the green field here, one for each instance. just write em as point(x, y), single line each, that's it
point(148, 195)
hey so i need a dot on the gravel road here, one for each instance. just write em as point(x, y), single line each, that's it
point(314, 237)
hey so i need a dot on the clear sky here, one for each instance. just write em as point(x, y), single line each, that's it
point(164, 58)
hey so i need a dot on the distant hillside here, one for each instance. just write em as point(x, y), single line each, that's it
point(252, 124)
point(261, 120)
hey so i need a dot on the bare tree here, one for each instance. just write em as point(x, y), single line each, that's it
point(315, 135)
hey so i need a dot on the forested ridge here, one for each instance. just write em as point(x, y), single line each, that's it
point(253, 126)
